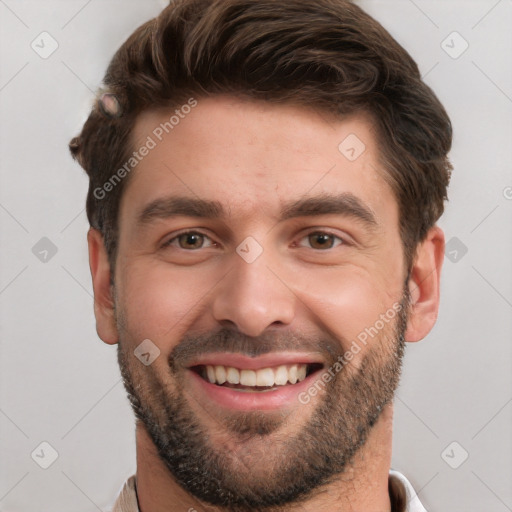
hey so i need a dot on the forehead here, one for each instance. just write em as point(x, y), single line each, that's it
point(252, 156)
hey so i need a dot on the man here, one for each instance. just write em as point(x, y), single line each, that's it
point(265, 181)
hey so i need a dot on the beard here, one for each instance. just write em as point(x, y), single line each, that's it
point(260, 464)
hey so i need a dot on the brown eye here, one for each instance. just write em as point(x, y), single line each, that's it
point(320, 240)
point(191, 240)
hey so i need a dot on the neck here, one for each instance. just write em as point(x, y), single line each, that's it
point(363, 487)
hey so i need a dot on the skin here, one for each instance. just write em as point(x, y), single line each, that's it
point(281, 154)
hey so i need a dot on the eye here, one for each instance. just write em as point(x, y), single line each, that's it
point(190, 240)
point(320, 240)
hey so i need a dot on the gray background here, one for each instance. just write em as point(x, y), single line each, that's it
point(60, 384)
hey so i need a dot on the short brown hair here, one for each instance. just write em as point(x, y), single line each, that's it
point(328, 55)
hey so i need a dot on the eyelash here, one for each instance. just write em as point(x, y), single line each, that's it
point(342, 240)
point(190, 232)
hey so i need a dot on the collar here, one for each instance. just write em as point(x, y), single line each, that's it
point(412, 501)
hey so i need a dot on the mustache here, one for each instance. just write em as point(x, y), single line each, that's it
point(233, 341)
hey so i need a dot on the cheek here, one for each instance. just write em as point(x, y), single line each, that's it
point(349, 303)
point(158, 300)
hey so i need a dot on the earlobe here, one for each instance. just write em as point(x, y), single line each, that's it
point(424, 285)
point(103, 300)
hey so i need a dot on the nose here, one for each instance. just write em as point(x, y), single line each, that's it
point(253, 296)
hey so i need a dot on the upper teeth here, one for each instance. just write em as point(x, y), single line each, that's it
point(278, 375)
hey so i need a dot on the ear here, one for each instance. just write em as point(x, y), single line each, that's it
point(103, 300)
point(424, 285)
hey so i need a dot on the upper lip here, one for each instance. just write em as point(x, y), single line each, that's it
point(244, 362)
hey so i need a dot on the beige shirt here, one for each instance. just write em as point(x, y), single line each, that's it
point(127, 500)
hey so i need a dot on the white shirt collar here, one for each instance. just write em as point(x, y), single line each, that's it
point(413, 502)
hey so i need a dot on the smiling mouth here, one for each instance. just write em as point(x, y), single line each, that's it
point(261, 380)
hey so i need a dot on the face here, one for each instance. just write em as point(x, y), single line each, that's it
point(265, 266)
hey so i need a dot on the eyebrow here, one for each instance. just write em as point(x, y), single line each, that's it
point(346, 204)
point(173, 206)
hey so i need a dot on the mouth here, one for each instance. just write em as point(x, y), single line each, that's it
point(258, 380)
point(237, 382)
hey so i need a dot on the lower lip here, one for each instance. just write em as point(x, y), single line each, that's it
point(230, 398)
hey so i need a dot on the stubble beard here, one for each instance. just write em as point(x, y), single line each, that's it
point(257, 468)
